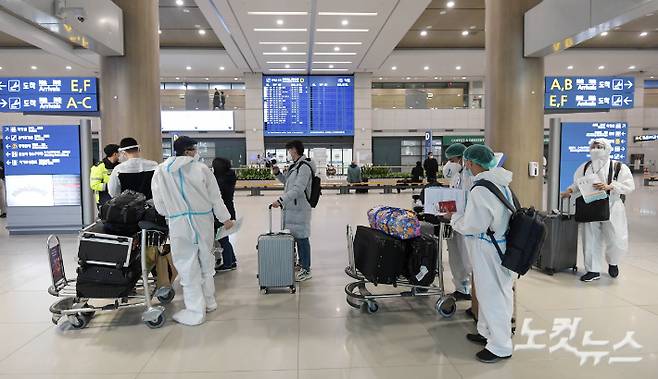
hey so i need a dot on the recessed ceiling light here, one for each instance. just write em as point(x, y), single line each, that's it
point(202, 32)
point(436, 77)
point(465, 33)
point(423, 33)
point(463, 78)
point(279, 22)
point(342, 30)
point(281, 43)
point(69, 68)
point(171, 107)
point(235, 78)
point(604, 34)
point(569, 67)
point(394, 68)
point(347, 13)
point(207, 79)
point(221, 68)
point(631, 67)
point(651, 77)
point(473, 27)
point(601, 67)
point(159, 31)
point(428, 27)
point(280, 30)
point(450, 4)
point(336, 48)
point(180, 3)
point(284, 48)
point(344, 22)
point(188, 68)
point(408, 78)
point(333, 53)
point(644, 34)
point(443, 12)
point(177, 78)
point(458, 68)
point(339, 43)
point(0, 67)
point(277, 13)
point(380, 78)
point(286, 53)
point(426, 68)
point(186, 10)
point(287, 66)
point(331, 66)
point(33, 67)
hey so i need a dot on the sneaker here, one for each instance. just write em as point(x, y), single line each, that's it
point(590, 276)
point(211, 307)
point(613, 270)
point(303, 275)
point(476, 338)
point(485, 356)
point(460, 296)
point(4, 215)
point(224, 268)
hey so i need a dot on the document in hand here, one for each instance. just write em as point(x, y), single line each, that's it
point(440, 200)
point(587, 190)
point(222, 232)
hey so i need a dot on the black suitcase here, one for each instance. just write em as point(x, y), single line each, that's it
point(107, 282)
point(423, 260)
point(560, 249)
point(378, 256)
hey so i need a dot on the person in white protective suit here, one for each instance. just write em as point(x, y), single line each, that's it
point(458, 258)
point(186, 192)
point(604, 237)
point(492, 281)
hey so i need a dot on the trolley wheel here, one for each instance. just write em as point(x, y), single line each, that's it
point(549, 271)
point(79, 320)
point(167, 297)
point(370, 307)
point(293, 289)
point(157, 323)
point(55, 319)
point(446, 306)
point(264, 290)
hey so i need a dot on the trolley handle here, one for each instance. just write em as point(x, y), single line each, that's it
point(269, 209)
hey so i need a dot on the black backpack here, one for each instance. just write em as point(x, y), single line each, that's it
point(125, 209)
point(316, 185)
point(525, 234)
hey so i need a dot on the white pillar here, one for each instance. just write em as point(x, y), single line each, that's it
point(254, 115)
point(363, 118)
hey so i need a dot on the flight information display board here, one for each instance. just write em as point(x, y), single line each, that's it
point(42, 165)
point(308, 105)
point(576, 138)
point(49, 94)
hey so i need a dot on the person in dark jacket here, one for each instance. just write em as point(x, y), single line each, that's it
point(3, 193)
point(431, 167)
point(417, 173)
point(226, 179)
point(216, 101)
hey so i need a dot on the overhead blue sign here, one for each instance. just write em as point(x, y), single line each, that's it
point(41, 150)
point(70, 94)
point(646, 138)
point(575, 142)
point(586, 92)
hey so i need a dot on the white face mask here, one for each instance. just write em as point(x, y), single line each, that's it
point(450, 169)
point(289, 157)
point(196, 156)
point(598, 154)
point(122, 157)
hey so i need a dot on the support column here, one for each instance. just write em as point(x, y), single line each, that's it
point(514, 115)
point(362, 150)
point(130, 85)
point(254, 115)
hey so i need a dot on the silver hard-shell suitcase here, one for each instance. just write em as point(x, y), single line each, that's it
point(276, 259)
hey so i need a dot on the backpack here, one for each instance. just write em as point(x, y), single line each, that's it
point(316, 186)
point(125, 209)
point(525, 234)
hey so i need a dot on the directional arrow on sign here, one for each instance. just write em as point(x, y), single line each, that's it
point(627, 100)
point(2, 85)
point(8, 146)
point(3, 103)
point(628, 84)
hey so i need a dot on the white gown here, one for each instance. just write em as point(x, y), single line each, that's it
point(458, 258)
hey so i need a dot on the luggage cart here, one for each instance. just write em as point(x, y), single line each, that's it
point(79, 311)
point(359, 297)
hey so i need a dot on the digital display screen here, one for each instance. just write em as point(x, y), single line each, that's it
point(576, 139)
point(187, 121)
point(308, 105)
point(59, 94)
point(42, 165)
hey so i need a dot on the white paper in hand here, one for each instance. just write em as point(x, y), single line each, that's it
point(222, 232)
point(586, 187)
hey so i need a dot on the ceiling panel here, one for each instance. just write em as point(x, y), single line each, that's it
point(8, 41)
point(622, 40)
point(180, 26)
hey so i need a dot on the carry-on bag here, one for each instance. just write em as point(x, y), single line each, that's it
point(276, 258)
point(107, 282)
point(423, 260)
point(560, 249)
point(379, 257)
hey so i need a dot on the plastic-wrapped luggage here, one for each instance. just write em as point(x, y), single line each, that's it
point(396, 222)
point(380, 257)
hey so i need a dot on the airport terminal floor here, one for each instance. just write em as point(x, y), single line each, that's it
point(315, 334)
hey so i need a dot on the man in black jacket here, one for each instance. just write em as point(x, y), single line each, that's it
point(226, 179)
point(431, 167)
point(417, 173)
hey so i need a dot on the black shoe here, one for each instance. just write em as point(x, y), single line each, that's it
point(485, 356)
point(4, 215)
point(469, 313)
point(476, 338)
point(590, 276)
point(224, 268)
point(460, 296)
point(613, 270)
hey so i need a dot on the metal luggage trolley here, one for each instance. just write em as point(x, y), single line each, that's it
point(359, 297)
point(78, 310)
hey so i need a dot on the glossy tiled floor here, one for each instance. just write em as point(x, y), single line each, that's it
point(315, 334)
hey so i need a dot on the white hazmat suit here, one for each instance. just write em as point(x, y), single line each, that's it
point(186, 192)
point(609, 237)
point(458, 256)
point(493, 282)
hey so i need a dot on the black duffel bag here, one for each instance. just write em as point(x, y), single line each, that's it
point(125, 209)
point(598, 210)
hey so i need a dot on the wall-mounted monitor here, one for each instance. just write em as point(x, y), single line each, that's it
point(308, 105)
point(197, 121)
